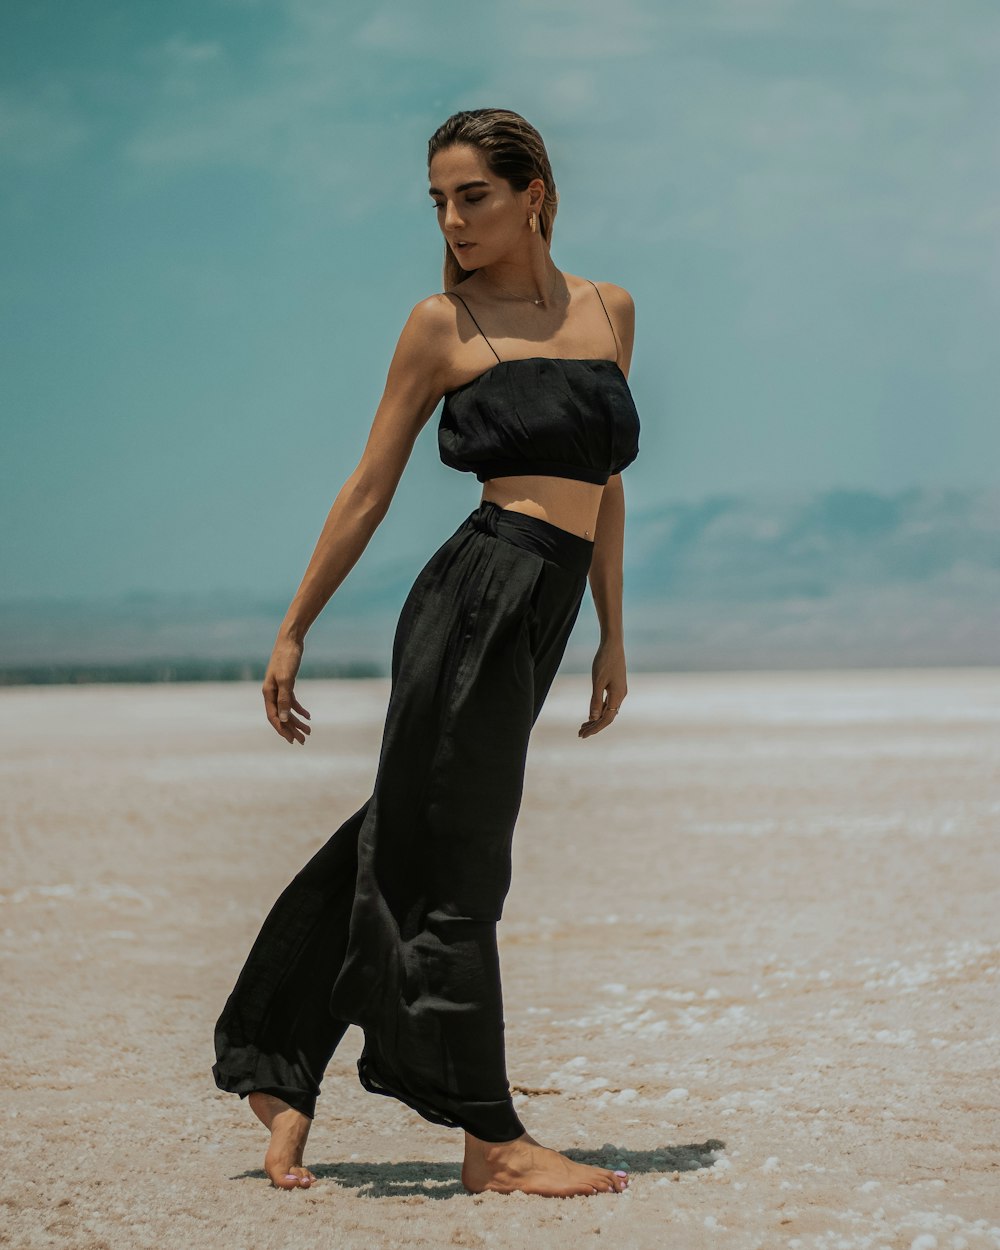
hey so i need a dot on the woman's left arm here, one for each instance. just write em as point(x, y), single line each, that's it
point(608, 672)
point(609, 685)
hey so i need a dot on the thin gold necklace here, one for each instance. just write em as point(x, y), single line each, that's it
point(514, 295)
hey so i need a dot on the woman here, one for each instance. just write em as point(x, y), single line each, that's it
point(392, 924)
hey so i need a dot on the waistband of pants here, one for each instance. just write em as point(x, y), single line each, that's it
point(531, 533)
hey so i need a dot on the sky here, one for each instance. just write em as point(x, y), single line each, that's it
point(216, 221)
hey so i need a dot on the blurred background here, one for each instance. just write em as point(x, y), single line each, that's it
point(216, 221)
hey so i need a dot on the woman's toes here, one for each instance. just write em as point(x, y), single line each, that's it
point(299, 1178)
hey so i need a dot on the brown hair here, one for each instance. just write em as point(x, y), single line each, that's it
point(513, 149)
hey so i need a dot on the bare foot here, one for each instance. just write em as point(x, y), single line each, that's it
point(289, 1130)
point(526, 1165)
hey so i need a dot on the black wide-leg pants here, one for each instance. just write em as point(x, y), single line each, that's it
point(392, 924)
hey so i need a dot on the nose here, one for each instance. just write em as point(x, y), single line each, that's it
point(451, 216)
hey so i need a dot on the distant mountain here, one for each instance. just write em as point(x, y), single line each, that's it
point(845, 577)
point(836, 579)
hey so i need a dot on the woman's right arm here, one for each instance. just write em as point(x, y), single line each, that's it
point(415, 383)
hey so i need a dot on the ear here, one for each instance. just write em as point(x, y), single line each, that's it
point(536, 194)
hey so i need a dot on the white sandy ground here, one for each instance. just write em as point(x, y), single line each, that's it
point(750, 952)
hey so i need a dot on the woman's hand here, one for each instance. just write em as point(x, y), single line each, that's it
point(280, 702)
point(609, 688)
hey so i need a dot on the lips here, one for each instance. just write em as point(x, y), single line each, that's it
point(462, 246)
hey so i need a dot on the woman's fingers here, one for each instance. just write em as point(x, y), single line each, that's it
point(595, 724)
point(270, 693)
point(604, 710)
point(293, 729)
point(296, 729)
point(278, 704)
point(289, 725)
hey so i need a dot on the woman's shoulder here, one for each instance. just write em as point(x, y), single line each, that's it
point(620, 307)
point(435, 311)
point(611, 293)
point(433, 314)
point(429, 333)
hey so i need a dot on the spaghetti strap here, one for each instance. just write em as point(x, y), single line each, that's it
point(610, 322)
point(477, 325)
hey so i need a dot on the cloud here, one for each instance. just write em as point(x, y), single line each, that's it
point(39, 128)
point(868, 124)
point(312, 112)
point(183, 51)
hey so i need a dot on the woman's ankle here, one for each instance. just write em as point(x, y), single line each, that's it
point(494, 1149)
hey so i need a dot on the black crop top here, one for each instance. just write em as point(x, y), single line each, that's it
point(541, 415)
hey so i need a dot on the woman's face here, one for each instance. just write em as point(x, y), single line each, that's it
point(475, 208)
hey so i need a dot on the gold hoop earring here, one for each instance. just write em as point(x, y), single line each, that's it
point(533, 222)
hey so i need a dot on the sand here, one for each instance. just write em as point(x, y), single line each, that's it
point(750, 953)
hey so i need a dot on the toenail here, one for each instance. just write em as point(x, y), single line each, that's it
point(621, 1174)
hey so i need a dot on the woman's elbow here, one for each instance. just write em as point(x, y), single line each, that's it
point(373, 483)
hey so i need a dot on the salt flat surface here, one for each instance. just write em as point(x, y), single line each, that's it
point(750, 952)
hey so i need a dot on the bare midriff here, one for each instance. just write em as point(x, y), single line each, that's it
point(562, 501)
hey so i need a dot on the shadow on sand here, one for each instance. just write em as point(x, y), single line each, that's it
point(443, 1180)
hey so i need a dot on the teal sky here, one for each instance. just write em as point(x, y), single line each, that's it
point(215, 221)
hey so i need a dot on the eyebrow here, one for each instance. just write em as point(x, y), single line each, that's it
point(464, 186)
